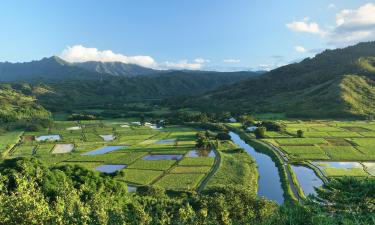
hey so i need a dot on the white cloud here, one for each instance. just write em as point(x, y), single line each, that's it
point(351, 26)
point(79, 53)
point(299, 49)
point(231, 61)
point(354, 26)
point(304, 26)
point(201, 60)
point(331, 6)
point(183, 64)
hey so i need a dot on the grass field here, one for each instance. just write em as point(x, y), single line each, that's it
point(137, 142)
point(327, 140)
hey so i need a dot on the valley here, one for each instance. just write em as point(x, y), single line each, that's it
point(201, 139)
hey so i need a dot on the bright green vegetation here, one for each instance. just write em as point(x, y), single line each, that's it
point(16, 106)
point(204, 161)
point(236, 168)
point(334, 172)
point(8, 140)
point(152, 164)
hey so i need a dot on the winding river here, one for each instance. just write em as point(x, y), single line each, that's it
point(269, 183)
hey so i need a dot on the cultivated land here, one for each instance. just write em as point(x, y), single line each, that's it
point(160, 157)
point(332, 146)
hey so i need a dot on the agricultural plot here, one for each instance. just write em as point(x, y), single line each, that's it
point(336, 141)
point(336, 169)
point(134, 154)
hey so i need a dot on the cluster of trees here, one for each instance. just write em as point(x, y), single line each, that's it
point(183, 117)
point(82, 116)
point(32, 193)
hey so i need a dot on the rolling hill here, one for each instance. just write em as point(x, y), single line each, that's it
point(335, 83)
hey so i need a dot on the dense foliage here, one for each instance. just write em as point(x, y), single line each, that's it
point(16, 106)
point(32, 193)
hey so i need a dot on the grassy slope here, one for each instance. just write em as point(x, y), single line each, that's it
point(320, 87)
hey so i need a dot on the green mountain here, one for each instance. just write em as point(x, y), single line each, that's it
point(53, 68)
point(117, 68)
point(114, 91)
point(335, 83)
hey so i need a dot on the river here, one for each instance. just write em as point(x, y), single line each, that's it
point(269, 183)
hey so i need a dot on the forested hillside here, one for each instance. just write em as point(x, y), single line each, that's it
point(335, 83)
point(17, 106)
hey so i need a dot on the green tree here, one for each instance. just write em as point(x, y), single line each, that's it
point(260, 132)
point(300, 133)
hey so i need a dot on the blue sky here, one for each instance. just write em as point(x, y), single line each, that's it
point(194, 34)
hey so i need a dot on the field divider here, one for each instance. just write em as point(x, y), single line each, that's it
point(212, 172)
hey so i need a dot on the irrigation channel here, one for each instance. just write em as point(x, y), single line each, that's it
point(269, 183)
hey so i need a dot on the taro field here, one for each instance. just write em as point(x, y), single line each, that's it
point(137, 155)
point(337, 148)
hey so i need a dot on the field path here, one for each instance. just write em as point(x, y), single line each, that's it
point(212, 172)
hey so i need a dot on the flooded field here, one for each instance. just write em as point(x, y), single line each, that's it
point(201, 153)
point(162, 157)
point(110, 168)
point(307, 179)
point(105, 150)
point(165, 141)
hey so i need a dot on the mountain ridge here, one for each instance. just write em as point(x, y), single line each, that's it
point(310, 88)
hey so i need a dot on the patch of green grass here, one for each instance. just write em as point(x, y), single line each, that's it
point(344, 134)
point(273, 134)
point(201, 161)
point(44, 149)
point(327, 129)
point(339, 172)
point(180, 181)
point(152, 164)
point(305, 152)
point(143, 177)
point(190, 169)
point(364, 142)
point(343, 153)
point(315, 134)
point(9, 139)
point(368, 134)
point(236, 168)
point(368, 151)
point(301, 141)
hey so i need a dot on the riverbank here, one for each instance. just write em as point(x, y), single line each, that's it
point(291, 191)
